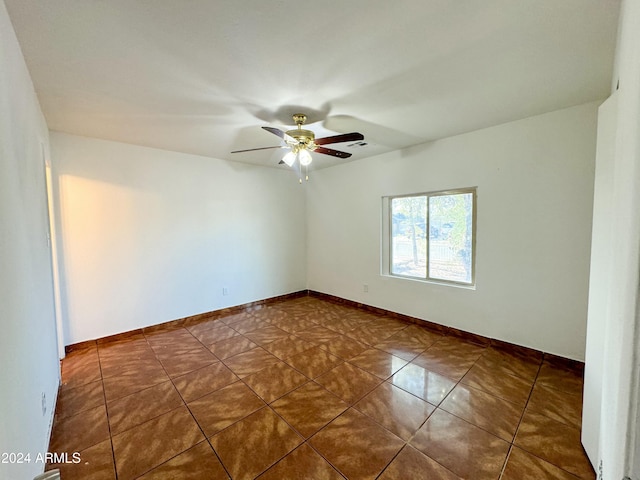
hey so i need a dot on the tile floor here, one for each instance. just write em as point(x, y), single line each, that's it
point(308, 389)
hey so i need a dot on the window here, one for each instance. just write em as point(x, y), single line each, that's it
point(431, 236)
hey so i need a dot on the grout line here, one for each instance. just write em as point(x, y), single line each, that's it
point(406, 445)
point(506, 460)
point(208, 440)
point(320, 430)
point(306, 442)
point(106, 408)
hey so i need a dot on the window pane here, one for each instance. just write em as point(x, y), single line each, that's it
point(450, 237)
point(409, 236)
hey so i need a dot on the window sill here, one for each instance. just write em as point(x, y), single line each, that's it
point(444, 283)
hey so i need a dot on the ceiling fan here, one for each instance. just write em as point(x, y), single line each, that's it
point(302, 141)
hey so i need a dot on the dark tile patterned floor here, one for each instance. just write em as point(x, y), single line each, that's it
point(308, 389)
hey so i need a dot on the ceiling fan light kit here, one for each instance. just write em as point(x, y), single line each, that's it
point(289, 158)
point(304, 157)
point(302, 142)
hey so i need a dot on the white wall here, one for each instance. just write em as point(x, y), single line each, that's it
point(28, 356)
point(535, 188)
point(147, 236)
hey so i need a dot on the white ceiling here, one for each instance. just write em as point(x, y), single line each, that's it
point(202, 76)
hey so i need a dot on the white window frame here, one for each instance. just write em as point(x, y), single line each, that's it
point(387, 242)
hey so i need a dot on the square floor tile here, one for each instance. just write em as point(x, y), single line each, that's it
point(96, 463)
point(317, 334)
point(344, 347)
point(180, 362)
point(525, 365)
point(421, 334)
point(556, 404)
point(197, 463)
point(219, 409)
point(126, 384)
point(349, 382)
point(131, 344)
point(554, 442)
point(146, 446)
point(410, 464)
point(397, 345)
point(356, 445)
point(80, 368)
point(78, 399)
point(266, 439)
point(163, 341)
point(293, 324)
point(216, 334)
point(231, 346)
point(142, 361)
point(198, 383)
point(136, 343)
point(486, 411)
point(249, 325)
point(302, 463)
point(80, 431)
point(508, 387)
point(419, 381)
point(274, 381)
point(269, 314)
point(381, 364)
point(288, 347)
point(251, 361)
point(309, 408)
point(452, 360)
point(369, 335)
point(197, 326)
point(465, 449)
point(313, 362)
point(265, 335)
point(524, 466)
point(560, 378)
point(340, 325)
point(127, 412)
point(398, 411)
point(234, 318)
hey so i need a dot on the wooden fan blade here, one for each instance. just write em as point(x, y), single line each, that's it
point(254, 149)
point(281, 134)
point(332, 152)
point(345, 137)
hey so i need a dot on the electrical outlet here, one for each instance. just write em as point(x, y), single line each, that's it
point(365, 288)
point(225, 291)
point(44, 404)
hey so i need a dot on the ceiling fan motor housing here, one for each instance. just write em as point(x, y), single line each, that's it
point(304, 137)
